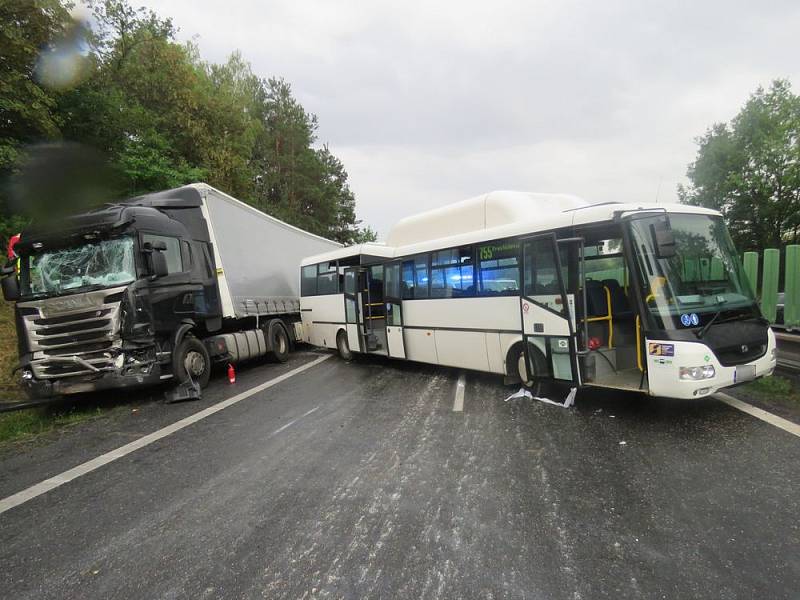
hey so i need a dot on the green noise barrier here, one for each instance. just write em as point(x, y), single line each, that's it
point(791, 296)
point(769, 283)
point(751, 269)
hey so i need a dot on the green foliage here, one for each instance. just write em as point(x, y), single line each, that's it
point(774, 387)
point(27, 108)
point(750, 170)
point(26, 26)
point(162, 117)
point(26, 424)
point(146, 164)
point(10, 389)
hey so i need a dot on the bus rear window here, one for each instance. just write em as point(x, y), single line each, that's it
point(308, 281)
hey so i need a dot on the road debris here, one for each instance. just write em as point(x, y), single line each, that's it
point(524, 393)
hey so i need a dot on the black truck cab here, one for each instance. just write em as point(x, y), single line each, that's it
point(105, 297)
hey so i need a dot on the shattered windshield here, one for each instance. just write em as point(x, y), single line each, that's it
point(102, 264)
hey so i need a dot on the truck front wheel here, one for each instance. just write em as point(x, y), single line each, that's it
point(279, 341)
point(191, 360)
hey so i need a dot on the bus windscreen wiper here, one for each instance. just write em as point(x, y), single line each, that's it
point(706, 327)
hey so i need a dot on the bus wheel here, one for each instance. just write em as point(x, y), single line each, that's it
point(517, 358)
point(343, 346)
point(521, 372)
point(279, 341)
point(190, 360)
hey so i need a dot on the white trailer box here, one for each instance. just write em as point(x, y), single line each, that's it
point(257, 256)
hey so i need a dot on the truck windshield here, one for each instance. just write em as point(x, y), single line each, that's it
point(703, 280)
point(103, 263)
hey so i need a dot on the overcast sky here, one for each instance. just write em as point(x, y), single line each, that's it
point(432, 102)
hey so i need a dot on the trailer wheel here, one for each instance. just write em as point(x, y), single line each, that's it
point(279, 341)
point(343, 346)
point(190, 359)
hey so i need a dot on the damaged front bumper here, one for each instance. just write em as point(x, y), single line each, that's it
point(77, 343)
point(141, 374)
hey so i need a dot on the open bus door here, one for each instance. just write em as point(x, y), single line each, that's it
point(548, 309)
point(351, 308)
point(394, 311)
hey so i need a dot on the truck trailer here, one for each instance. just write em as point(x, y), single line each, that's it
point(154, 288)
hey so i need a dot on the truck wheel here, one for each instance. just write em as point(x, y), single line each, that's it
point(191, 360)
point(279, 341)
point(343, 346)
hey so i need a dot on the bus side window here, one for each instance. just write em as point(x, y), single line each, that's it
point(392, 281)
point(498, 268)
point(327, 279)
point(421, 276)
point(408, 280)
point(451, 273)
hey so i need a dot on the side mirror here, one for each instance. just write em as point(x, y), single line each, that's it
point(10, 288)
point(663, 239)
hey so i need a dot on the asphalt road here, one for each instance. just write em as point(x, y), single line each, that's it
point(359, 480)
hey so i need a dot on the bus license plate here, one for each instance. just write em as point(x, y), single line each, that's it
point(744, 373)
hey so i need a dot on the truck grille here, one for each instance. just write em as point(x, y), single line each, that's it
point(73, 335)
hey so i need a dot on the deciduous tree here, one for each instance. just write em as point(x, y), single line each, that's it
point(750, 170)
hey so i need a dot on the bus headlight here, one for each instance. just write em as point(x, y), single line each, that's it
point(697, 373)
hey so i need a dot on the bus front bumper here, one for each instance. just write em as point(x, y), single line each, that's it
point(672, 364)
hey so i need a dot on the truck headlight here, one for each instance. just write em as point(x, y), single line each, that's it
point(27, 375)
point(697, 373)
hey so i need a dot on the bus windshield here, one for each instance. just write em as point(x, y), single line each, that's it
point(704, 278)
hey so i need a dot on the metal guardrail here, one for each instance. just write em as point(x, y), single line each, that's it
point(788, 350)
point(14, 406)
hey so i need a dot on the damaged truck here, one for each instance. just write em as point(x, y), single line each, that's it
point(158, 287)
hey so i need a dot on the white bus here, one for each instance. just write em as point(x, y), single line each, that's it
point(546, 287)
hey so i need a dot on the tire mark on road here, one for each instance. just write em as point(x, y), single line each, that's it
point(379, 482)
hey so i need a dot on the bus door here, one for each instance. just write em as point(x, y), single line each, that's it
point(371, 280)
point(547, 312)
point(351, 307)
point(394, 311)
point(573, 273)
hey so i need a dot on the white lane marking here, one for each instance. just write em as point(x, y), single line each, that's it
point(91, 465)
point(758, 413)
point(293, 421)
point(458, 404)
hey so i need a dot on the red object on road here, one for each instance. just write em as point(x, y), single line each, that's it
point(231, 374)
point(11, 243)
